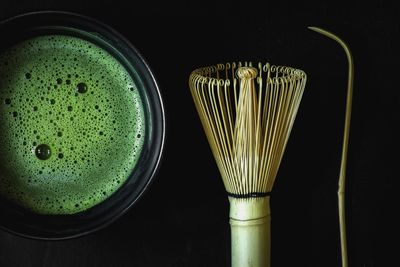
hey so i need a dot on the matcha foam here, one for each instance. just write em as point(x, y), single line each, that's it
point(71, 124)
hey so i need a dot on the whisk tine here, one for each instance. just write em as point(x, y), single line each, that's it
point(247, 126)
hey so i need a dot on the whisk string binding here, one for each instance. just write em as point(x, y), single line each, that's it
point(249, 195)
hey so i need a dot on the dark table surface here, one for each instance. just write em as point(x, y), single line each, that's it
point(183, 219)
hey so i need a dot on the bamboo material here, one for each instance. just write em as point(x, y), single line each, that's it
point(250, 222)
point(247, 114)
point(346, 134)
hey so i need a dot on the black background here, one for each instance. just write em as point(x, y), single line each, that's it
point(183, 219)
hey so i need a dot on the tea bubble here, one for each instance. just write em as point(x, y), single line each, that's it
point(81, 88)
point(43, 152)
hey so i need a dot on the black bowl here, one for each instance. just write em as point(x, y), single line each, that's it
point(22, 222)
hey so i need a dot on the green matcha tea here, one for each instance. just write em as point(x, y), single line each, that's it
point(71, 124)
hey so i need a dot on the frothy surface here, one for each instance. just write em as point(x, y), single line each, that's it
point(71, 124)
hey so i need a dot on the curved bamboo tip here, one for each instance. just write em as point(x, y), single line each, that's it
point(335, 38)
point(316, 29)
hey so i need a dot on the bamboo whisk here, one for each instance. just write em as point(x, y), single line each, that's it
point(247, 114)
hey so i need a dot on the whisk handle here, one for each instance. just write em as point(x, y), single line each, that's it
point(250, 222)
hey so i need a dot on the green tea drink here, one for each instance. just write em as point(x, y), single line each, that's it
point(71, 124)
